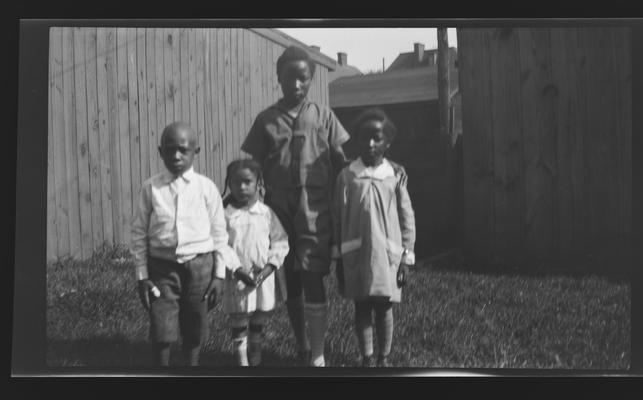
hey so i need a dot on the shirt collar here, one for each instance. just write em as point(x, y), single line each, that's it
point(187, 176)
point(382, 171)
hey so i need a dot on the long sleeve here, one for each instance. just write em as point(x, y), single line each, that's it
point(338, 202)
point(407, 217)
point(225, 257)
point(278, 242)
point(139, 226)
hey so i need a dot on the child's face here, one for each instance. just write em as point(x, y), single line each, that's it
point(177, 150)
point(243, 185)
point(295, 81)
point(373, 142)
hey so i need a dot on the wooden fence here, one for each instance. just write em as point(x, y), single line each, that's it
point(111, 93)
point(547, 126)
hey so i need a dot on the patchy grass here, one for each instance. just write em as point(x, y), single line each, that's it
point(447, 319)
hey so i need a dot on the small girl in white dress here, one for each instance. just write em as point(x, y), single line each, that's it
point(252, 290)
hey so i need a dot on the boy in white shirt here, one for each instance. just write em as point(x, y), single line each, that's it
point(180, 247)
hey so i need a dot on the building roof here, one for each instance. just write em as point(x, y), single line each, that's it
point(391, 87)
point(285, 40)
point(342, 71)
point(410, 59)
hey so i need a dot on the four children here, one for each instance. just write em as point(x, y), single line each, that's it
point(189, 250)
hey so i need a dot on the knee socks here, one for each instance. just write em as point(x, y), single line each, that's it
point(240, 346)
point(255, 341)
point(364, 327)
point(315, 316)
point(295, 308)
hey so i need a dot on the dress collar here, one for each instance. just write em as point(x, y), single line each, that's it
point(382, 171)
point(256, 209)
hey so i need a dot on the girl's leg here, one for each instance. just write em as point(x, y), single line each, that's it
point(384, 328)
point(364, 330)
point(239, 325)
point(255, 337)
point(315, 313)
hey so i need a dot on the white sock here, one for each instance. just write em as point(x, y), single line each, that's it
point(241, 350)
point(315, 314)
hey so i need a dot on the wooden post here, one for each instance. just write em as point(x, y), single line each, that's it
point(443, 80)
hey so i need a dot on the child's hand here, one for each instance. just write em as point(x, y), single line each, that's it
point(242, 276)
point(146, 288)
point(339, 273)
point(402, 273)
point(264, 273)
point(213, 291)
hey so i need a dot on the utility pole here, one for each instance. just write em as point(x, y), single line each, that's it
point(443, 80)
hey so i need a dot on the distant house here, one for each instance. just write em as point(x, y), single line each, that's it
point(420, 57)
point(408, 93)
point(342, 69)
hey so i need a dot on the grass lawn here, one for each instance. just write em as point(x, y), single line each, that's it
point(447, 319)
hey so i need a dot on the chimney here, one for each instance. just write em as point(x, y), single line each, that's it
point(418, 50)
point(316, 48)
point(342, 59)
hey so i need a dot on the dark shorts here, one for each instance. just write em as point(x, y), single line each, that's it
point(180, 308)
point(305, 215)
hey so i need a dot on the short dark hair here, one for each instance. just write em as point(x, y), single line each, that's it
point(249, 163)
point(295, 53)
point(376, 114)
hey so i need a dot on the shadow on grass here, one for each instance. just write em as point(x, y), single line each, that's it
point(616, 268)
point(117, 351)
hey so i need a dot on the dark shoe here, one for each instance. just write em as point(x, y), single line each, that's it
point(303, 358)
point(368, 361)
point(382, 362)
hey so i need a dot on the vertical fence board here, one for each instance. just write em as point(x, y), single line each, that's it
point(221, 103)
point(191, 80)
point(92, 136)
point(228, 94)
point(104, 135)
point(506, 117)
point(168, 41)
point(84, 184)
point(51, 194)
point(601, 154)
point(207, 100)
point(124, 130)
point(477, 144)
point(152, 118)
point(623, 72)
point(200, 87)
point(70, 164)
point(143, 101)
point(113, 130)
point(538, 94)
point(248, 65)
point(134, 123)
point(215, 133)
point(161, 90)
point(55, 103)
point(560, 62)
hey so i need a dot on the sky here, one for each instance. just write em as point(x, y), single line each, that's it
point(365, 47)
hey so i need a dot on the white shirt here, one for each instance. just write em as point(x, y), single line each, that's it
point(177, 218)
